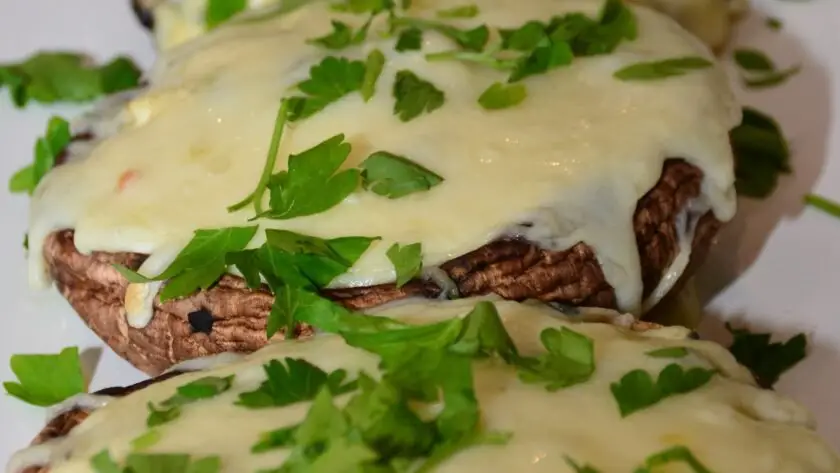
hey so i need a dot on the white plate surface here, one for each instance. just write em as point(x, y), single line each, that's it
point(777, 266)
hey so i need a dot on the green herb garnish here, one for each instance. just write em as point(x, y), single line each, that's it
point(828, 206)
point(409, 40)
point(274, 439)
point(155, 463)
point(407, 261)
point(414, 96)
point(395, 176)
point(51, 77)
point(200, 264)
point(329, 81)
point(655, 70)
point(570, 360)
point(295, 381)
point(637, 390)
point(220, 11)
point(146, 440)
point(313, 182)
point(463, 11)
point(202, 388)
point(45, 380)
point(363, 6)
point(761, 154)
point(669, 352)
point(673, 455)
point(773, 23)
point(484, 334)
point(47, 150)
point(765, 359)
point(499, 96)
point(473, 39)
point(759, 70)
point(342, 36)
point(373, 69)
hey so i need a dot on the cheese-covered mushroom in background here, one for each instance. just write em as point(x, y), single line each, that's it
point(508, 388)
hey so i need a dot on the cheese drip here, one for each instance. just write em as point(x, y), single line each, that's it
point(571, 160)
point(729, 424)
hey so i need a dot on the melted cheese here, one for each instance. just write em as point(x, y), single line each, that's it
point(729, 424)
point(179, 21)
point(571, 160)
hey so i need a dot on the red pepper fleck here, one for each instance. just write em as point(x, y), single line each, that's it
point(126, 178)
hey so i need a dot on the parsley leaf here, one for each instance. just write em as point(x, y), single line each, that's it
point(373, 69)
point(582, 469)
point(499, 96)
point(753, 60)
point(313, 182)
point(464, 11)
point(328, 81)
point(202, 388)
point(274, 439)
point(484, 334)
point(47, 150)
point(323, 442)
point(772, 79)
point(103, 463)
point(407, 261)
point(395, 176)
point(296, 381)
point(363, 6)
point(45, 380)
point(665, 68)
point(766, 360)
point(146, 440)
point(673, 455)
point(410, 40)
point(155, 463)
point(50, 77)
point(828, 206)
point(342, 36)
point(761, 154)
point(472, 40)
point(669, 352)
point(220, 11)
point(414, 96)
point(636, 390)
point(570, 360)
point(773, 23)
point(200, 264)
point(545, 56)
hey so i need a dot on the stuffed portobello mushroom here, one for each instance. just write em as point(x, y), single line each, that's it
point(571, 152)
point(450, 387)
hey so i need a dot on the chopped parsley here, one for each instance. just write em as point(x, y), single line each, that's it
point(329, 81)
point(759, 70)
point(637, 390)
point(373, 69)
point(484, 334)
point(570, 360)
point(464, 11)
point(200, 264)
point(407, 261)
point(342, 36)
point(45, 380)
point(51, 77)
point(765, 359)
point(146, 440)
point(202, 388)
point(828, 206)
point(662, 69)
point(669, 352)
point(47, 150)
point(761, 154)
point(409, 40)
point(395, 176)
point(274, 439)
point(499, 96)
point(414, 96)
point(473, 39)
point(220, 11)
point(291, 381)
point(313, 183)
point(363, 6)
point(675, 454)
point(155, 463)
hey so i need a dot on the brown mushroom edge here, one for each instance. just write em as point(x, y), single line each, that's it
point(229, 317)
point(62, 424)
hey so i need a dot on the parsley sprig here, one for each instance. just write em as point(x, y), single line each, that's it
point(47, 150)
point(45, 380)
point(637, 389)
point(767, 360)
point(293, 380)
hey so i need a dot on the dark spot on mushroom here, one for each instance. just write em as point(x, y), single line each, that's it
point(143, 14)
point(694, 335)
point(201, 321)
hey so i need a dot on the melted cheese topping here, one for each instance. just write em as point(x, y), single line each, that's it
point(571, 160)
point(179, 21)
point(729, 424)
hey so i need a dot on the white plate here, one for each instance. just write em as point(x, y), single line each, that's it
point(775, 268)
